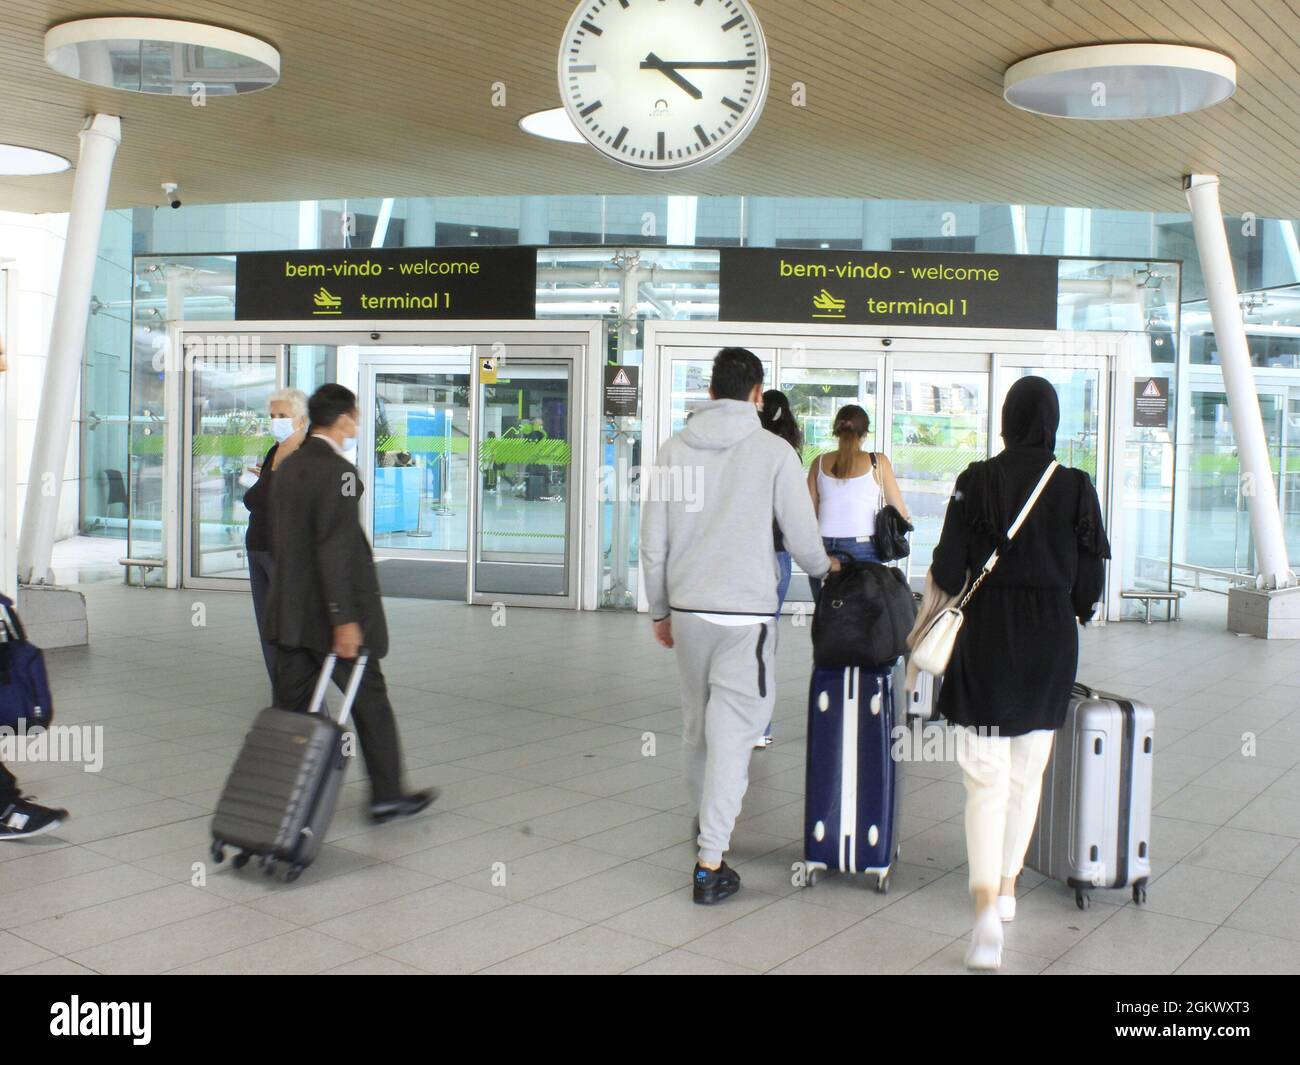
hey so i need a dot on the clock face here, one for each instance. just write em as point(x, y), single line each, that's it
point(664, 85)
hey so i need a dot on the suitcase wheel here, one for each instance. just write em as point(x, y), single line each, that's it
point(241, 859)
point(268, 864)
point(810, 878)
point(1139, 893)
point(882, 885)
point(293, 873)
point(218, 851)
point(1082, 900)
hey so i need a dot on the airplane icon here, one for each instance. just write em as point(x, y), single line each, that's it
point(326, 302)
point(829, 306)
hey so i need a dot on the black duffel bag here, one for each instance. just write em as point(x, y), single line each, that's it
point(863, 616)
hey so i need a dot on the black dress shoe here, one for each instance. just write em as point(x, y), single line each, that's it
point(406, 806)
point(714, 885)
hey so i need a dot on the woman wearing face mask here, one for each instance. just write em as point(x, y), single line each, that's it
point(1007, 686)
point(288, 409)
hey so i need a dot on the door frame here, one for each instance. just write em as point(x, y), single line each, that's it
point(891, 348)
point(586, 334)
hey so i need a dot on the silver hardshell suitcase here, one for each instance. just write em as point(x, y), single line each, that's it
point(280, 796)
point(1094, 818)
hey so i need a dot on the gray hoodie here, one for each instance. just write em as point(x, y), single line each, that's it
point(707, 508)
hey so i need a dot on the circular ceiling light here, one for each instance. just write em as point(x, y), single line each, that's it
point(165, 57)
point(554, 125)
point(1120, 81)
point(17, 161)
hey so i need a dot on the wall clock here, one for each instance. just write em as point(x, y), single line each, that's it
point(664, 85)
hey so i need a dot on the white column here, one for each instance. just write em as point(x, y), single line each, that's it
point(99, 140)
point(1238, 381)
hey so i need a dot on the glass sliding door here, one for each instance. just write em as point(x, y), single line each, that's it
point(938, 425)
point(415, 446)
point(230, 433)
point(525, 444)
point(818, 384)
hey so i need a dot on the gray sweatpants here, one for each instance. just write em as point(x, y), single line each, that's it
point(728, 691)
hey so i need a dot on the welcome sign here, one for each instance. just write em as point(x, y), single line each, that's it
point(378, 283)
point(887, 288)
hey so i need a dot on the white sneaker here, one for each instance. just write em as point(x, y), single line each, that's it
point(763, 744)
point(985, 951)
point(1007, 908)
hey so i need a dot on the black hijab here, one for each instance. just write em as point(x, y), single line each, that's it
point(1030, 416)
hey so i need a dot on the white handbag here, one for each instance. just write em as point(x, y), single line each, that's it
point(933, 651)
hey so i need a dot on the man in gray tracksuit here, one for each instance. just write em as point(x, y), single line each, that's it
point(710, 571)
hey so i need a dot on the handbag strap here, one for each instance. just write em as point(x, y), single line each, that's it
point(1015, 528)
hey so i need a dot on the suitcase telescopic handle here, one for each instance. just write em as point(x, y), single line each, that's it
point(349, 694)
point(1084, 691)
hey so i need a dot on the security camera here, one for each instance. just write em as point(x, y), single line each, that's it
point(171, 191)
point(374, 336)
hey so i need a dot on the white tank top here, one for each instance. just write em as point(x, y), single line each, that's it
point(846, 508)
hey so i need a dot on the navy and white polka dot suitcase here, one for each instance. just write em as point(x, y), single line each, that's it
point(851, 785)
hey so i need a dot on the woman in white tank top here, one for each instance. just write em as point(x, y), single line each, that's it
point(848, 487)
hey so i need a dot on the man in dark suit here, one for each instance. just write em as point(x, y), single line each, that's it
point(325, 593)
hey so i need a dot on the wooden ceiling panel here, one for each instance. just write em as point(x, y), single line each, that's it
point(393, 98)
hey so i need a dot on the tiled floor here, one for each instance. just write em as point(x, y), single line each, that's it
point(561, 842)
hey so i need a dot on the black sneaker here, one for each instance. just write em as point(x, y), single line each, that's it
point(406, 806)
point(714, 885)
point(22, 819)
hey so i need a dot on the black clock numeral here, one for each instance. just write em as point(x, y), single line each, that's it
point(704, 137)
point(729, 102)
point(732, 23)
point(618, 141)
point(590, 108)
point(661, 145)
point(591, 28)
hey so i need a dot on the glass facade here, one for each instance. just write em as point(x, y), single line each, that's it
point(158, 266)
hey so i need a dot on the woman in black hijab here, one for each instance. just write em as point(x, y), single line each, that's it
point(1015, 657)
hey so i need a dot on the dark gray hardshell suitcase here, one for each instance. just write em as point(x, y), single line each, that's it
point(1094, 817)
point(280, 796)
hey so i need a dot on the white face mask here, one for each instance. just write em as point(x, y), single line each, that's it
point(282, 429)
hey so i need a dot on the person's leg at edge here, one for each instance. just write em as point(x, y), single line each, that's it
point(372, 716)
point(693, 670)
point(985, 764)
point(259, 578)
point(1028, 760)
point(741, 694)
point(785, 569)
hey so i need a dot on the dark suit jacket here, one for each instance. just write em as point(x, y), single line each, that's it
point(324, 572)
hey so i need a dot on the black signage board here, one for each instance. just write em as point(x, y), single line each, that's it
point(1151, 402)
point(373, 283)
point(887, 288)
point(621, 391)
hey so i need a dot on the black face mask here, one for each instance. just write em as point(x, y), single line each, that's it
point(1031, 414)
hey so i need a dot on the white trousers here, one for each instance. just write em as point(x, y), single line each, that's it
point(1004, 779)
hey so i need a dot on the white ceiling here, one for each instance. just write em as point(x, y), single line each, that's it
point(393, 98)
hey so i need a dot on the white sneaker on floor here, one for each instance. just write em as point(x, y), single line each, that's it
point(763, 744)
point(985, 951)
point(1007, 908)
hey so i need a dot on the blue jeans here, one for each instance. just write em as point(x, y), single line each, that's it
point(858, 550)
point(784, 564)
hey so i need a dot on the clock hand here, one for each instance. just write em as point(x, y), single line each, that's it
point(705, 64)
point(653, 62)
